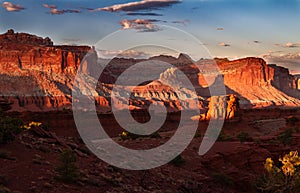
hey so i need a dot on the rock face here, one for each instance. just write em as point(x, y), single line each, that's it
point(259, 84)
point(20, 51)
point(37, 75)
point(221, 107)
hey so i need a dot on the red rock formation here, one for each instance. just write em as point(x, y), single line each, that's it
point(35, 74)
point(221, 107)
point(20, 51)
point(259, 83)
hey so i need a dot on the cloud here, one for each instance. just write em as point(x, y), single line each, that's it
point(292, 45)
point(256, 41)
point(220, 28)
point(223, 44)
point(289, 45)
point(143, 14)
point(139, 5)
point(59, 12)
point(55, 11)
point(122, 54)
point(49, 6)
point(142, 25)
point(183, 22)
point(290, 61)
point(71, 41)
point(12, 7)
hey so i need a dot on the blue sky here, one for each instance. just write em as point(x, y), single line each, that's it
point(227, 28)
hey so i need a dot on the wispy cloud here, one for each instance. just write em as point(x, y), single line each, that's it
point(49, 6)
point(183, 22)
point(12, 7)
point(139, 5)
point(122, 54)
point(220, 28)
point(71, 41)
point(143, 14)
point(292, 45)
point(55, 11)
point(142, 25)
point(223, 44)
point(289, 45)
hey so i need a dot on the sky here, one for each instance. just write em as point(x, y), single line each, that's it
point(221, 28)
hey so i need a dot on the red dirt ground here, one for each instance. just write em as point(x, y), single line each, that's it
point(230, 166)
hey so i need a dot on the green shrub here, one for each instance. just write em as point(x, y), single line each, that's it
point(286, 137)
point(243, 136)
point(291, 120)
point(67, 170)
point(155, 135)
point(223, 179)
point(178, 161)
point(224, 137)
point(197, 134)
point(9, 128)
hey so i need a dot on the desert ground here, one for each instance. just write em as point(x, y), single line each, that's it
point(234, 164)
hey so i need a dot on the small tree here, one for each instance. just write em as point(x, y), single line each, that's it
point(9, 127)
point(68, 171)
point(281, 179)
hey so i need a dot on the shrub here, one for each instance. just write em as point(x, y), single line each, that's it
point(9, 128)
point(197, 134)
point(224, 137)
point(155, 135)
point(291, 120)
point(281, 179)
point(68, 171)
point(126, 135)
point(223, 179)
point(286, 137)
point(243, 136)
point(178, 161)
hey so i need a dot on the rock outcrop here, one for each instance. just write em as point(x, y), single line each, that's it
point(221, 107)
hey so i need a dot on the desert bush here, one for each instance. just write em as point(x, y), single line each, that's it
point(9, 128)
point(243, 136)
point(224, 137)
point(126, 135)
point(285, 178)
point(155, 135)
point(197, 134)
point(286, 137)
point(178, 161)
point(291, 120)
point(33, 124)
point(223, 179)
point(67, 170)
point(6, 155)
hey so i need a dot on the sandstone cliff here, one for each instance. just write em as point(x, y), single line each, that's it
point(260, 84)
point(37, 75)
